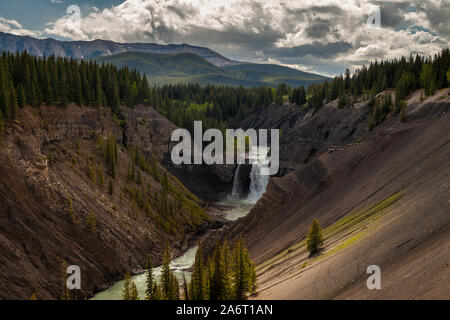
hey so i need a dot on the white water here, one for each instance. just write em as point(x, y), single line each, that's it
point(258, 180)
point(178, 266)
point(236, 191)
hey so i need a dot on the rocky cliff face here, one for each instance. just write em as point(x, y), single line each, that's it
point(382, 199)
point(152, 131)
point(55, 204)
point(306, 134)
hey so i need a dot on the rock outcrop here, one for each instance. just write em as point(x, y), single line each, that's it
point(55, 204)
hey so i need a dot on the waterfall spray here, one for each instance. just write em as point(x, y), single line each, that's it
point(236, 192)
point(258, 181)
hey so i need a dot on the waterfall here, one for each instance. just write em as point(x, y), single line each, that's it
point(236, 191)
point(258, 182)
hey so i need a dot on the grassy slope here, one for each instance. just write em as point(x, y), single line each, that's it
point(407, 220)
point(273, 74)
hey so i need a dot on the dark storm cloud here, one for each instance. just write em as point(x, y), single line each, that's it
point(316, 49)
point(393, 13)
point(317, 29)
point(233, 36)
point(331, 9)
point(438, 16)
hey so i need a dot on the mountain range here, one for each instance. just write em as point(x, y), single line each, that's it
point(163, 64)
point(98, 48)
point(191, 68)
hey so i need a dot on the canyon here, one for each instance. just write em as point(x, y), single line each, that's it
point(381, 197)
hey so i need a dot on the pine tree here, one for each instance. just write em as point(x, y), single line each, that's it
point(13, 103)
point(70, 209)
point(114, 95)
point(427, 79)
point(157, 295)
point(343, 101)
point(185, 287)
point(130, 173)
point(48, 92)
point(101, 178)
point(150, 281)
point(134, 295)
point(315, 237)
point(174, 288)
point(4, 99)
point(279, 98)
point(21, 99)
point(98, 89)
point(448, 76)
point(242, 272)
point(90, 220)
point(65, 295)
point(110, 188)
point(253, 278)
point(198, 280)
point(167, 277)
point(301, 96)
point(111, 155)
point(77, 86)
point(126, 290)
point(139, 178)
point(220, 284)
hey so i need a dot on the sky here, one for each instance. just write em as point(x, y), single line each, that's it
point(323, 36)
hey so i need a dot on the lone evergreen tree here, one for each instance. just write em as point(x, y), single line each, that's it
point(315, 237)
point(126, 290)
point(150, 281)
point(253, 285)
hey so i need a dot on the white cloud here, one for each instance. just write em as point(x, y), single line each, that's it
point(297, 32)
point(14, 27)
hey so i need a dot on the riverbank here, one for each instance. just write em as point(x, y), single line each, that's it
point(222, 212)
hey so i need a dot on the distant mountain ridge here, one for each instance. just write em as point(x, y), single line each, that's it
point(98, 48)
point(191, 68)
point(164, 64)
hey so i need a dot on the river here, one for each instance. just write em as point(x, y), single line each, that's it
point(234, 208)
